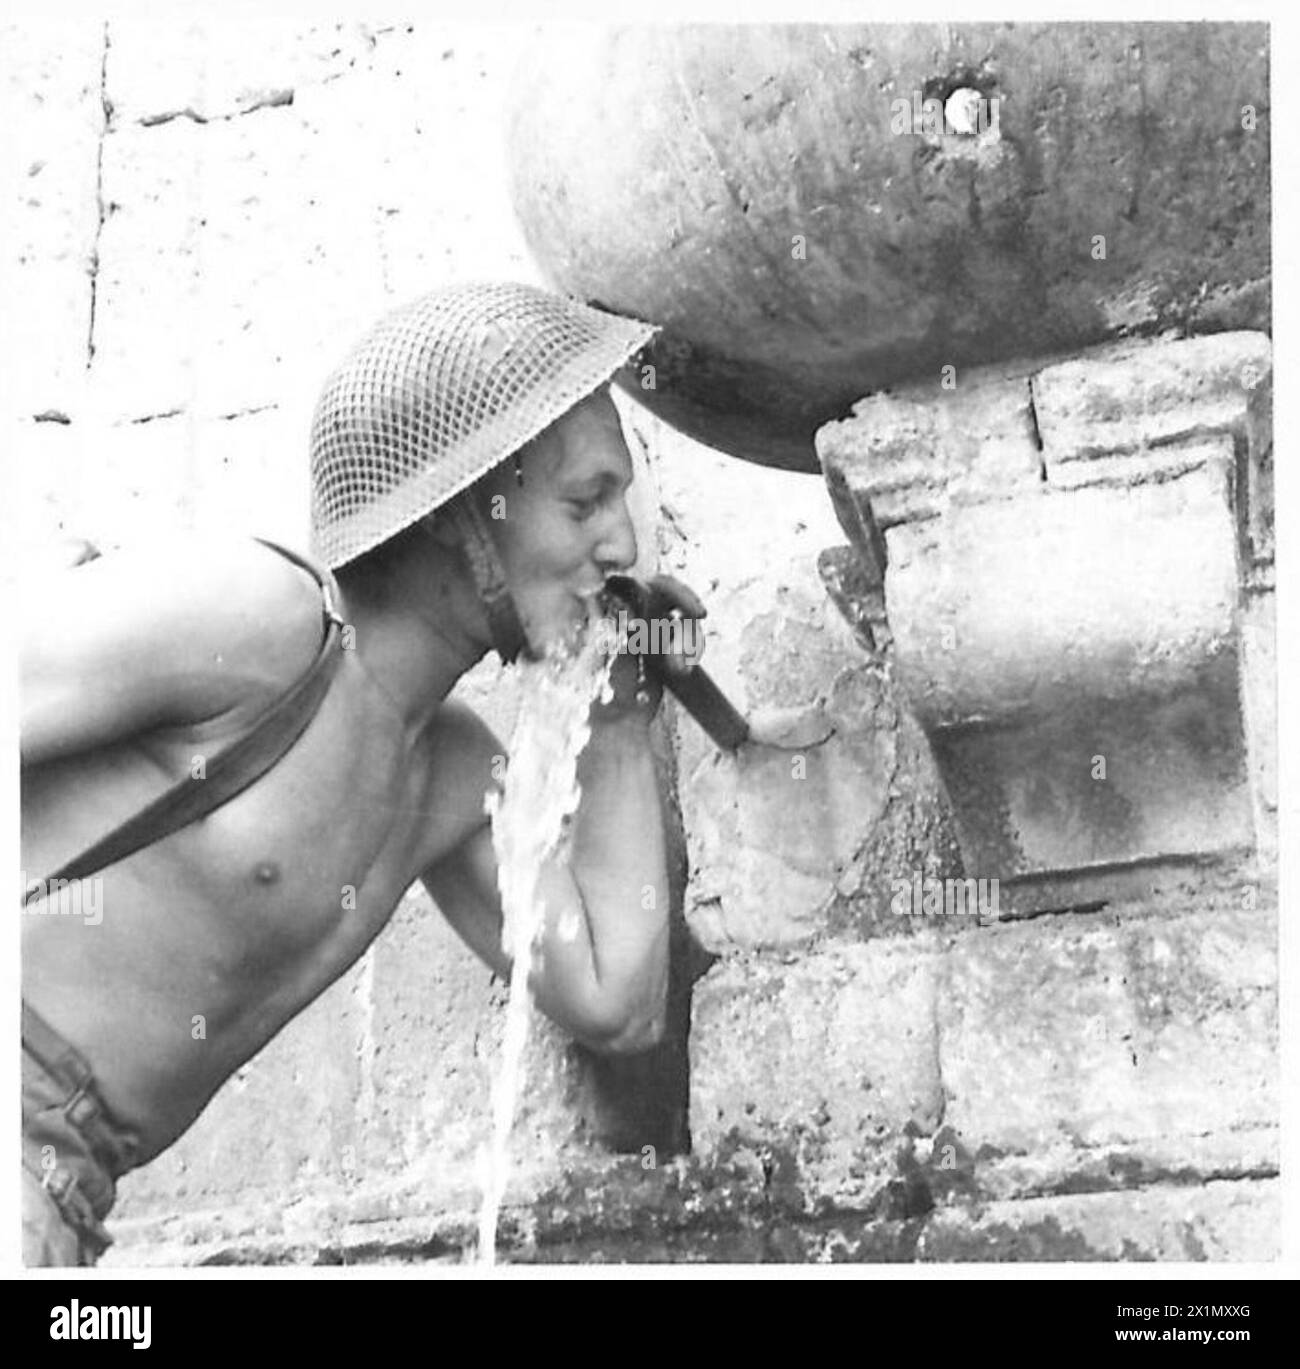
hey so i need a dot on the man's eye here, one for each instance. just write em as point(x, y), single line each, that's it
point(584, 508)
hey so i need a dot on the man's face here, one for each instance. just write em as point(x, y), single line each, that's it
point(566, 527)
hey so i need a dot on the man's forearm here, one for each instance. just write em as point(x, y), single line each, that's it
point(605, 945)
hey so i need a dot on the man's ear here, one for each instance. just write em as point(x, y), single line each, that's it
point(442, 528)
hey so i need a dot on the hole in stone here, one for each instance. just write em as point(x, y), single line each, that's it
point(962, 111)
point(967, 97)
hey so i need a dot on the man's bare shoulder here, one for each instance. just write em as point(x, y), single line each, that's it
point(252, 611)
point(206, 570)
point(204, 620)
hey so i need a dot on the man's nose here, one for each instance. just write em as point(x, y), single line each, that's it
point(616, 550)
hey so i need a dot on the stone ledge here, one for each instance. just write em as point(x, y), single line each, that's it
point(617, 1212)
point(1101, 417)
point(1246, 1153)
point(912, 453)
point(1167, 391)
point(1148, 466)
point(1238, 1221)
point(1135, 883)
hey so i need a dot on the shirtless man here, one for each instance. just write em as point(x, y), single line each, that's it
point(138, 662)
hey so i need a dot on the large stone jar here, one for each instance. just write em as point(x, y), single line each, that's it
point(816, 213)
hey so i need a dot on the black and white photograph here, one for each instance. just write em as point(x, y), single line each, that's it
point(643, 643)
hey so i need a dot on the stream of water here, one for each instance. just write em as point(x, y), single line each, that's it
point(530, 822)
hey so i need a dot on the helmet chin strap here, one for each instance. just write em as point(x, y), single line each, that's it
point(508, 636)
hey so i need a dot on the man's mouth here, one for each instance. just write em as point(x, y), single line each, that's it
point(584, 609)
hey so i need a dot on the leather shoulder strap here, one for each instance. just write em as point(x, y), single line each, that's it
point(231, 771)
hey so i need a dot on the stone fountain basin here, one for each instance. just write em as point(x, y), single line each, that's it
point(749, 189)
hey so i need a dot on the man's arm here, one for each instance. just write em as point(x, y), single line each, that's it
point(139, 640)
point(604, 962)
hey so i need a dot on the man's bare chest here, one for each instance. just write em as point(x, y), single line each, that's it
point(320, 849)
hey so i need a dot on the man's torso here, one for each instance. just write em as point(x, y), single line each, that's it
point(215, 937)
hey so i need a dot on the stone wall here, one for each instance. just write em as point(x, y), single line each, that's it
point(208, 215)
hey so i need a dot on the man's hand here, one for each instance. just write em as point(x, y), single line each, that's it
point(664, 638)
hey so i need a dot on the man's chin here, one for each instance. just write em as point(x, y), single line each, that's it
point(564, 632)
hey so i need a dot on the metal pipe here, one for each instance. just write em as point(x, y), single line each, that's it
point(693, 689)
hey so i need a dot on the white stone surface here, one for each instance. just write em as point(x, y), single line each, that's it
point(53, 118)
point(244, 246)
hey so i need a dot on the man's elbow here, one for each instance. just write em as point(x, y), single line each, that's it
point(625, 1032)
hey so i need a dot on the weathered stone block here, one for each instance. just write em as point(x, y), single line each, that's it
point(136, 480)
point(404, 165)
point(924, 448)
point(1095, 784)
point(1258, 494)
point(857, 518)
point(251, 474)
point(272, 241)
point(1106, 1030)
point(857, 589)
point(775, 829)
point(914, 837)
point(826, 1059)
point(55, 118)
point(250, 242)
point(1147, 394)
point(217, 68)
point(46, 460)
point(123, 482)
point(1213, 1222)
point(1018, 627)
point(1259, 710)
point(1014, 609)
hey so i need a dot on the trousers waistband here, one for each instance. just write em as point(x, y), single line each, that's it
point(111, 1145)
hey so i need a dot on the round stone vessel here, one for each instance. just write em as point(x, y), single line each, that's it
point(815, 213)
